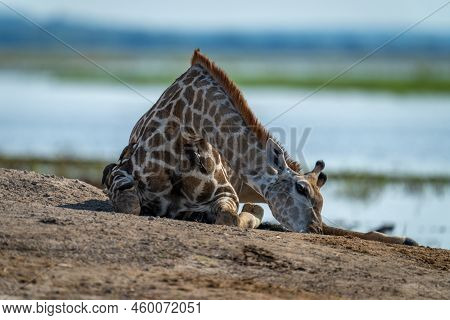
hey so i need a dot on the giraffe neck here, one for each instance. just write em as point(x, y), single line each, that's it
point(211, 115)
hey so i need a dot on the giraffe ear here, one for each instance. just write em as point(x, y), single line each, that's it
point(275, 156)
point(321, 179)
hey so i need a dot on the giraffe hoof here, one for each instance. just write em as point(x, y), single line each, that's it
point(127, 201)
point(410, 242)
point(254, 209)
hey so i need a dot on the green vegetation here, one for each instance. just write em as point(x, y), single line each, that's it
point(395, 85)
point(358, 185)
point(365, 186)
point(368, 84)
point(415, 75)
point(82, 169)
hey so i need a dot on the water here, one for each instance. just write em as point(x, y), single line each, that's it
point(422, 215)
point(356, 131)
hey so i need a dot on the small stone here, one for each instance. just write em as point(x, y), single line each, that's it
point(49, 220)
point(64, 265)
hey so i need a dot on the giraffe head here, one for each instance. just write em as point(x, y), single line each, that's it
point(294, 198)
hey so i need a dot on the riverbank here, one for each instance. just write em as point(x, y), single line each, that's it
point(59, 240)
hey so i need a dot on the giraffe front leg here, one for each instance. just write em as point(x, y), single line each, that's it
point(251, 216)
point(225, 211)
point(126, 201)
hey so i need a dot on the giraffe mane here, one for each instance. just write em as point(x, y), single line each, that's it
point(240, 103)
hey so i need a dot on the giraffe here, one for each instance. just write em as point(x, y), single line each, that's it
point(200, 150)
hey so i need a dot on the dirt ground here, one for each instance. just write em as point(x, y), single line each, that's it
point(60, 240)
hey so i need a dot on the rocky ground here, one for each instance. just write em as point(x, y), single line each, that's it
point(60, 240)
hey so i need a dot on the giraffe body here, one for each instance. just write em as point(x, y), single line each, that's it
point(200, 147)
point(196, 186)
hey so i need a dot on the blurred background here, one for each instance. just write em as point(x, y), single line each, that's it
point(382, 128)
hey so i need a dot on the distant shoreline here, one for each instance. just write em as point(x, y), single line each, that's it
point(399, 86)
point(90, 171)
point(396, 74)
point(391, 85)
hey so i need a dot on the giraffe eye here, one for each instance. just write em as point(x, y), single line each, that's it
point(302, 189)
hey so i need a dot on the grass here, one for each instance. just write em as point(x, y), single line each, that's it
point(359, 185)
point(416, 83)
point(163, 70)
point(372, 84)
point(82, 169)
point(366, 186)
point(382, 178)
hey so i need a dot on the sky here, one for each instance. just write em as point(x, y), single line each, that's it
point(245, 14)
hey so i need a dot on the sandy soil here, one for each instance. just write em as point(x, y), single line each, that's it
point(60, 240)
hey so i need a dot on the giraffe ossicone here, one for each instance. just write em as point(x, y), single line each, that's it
point(200, 150)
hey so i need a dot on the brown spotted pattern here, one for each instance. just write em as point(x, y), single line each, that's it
point(193, 152)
